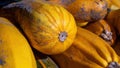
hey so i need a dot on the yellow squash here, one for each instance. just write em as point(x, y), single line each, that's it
point(50, 28)
point(15, 51)
point(87, 51)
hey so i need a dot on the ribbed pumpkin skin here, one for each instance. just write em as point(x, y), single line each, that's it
point(99, 27)
point(44, 24)
point(87, 51)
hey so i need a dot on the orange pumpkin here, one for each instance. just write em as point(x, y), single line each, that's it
point(102, 29)
point(49, 28)
point(88, 51)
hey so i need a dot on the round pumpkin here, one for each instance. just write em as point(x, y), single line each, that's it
point(102, 29)
point(88, 51)
point(49, 28)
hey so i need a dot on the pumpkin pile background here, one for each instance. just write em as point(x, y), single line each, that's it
point(60, 34)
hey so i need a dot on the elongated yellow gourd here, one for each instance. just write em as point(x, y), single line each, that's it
point(15, 52)
point(88, 51)
point(50, 28)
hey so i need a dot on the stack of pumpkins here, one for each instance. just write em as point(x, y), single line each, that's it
point(74, 33)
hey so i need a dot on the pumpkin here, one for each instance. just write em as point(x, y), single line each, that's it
point(113, 18)
point(102, 29)
point(85, 10)
point(15, 51)
point(50, 28)
point(87, 51)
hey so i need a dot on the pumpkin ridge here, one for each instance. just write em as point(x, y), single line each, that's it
point(90, 54)
point(87, 59)
point(58, 11)
point(49, 19)
point(48, 11)
point(113, 54)
point(106, 57)
point(40, 30)
point(98, 49)
point(68, 25)
point(48, 15)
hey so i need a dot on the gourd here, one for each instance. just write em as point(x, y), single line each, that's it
point(113, 19)
point(15, 51)
point(87, 51)
point(50, 28)
point(102, 29)
point(84, 10)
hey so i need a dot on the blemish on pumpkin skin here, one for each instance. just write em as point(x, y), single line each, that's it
point(82, 9)
point(82, 14)
point(95, 15)
point(67, 2)
point(105, 6)
point(102, 6)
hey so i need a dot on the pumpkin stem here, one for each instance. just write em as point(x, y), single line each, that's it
point(106, 35)
point(113, 65)
point(62, 36)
